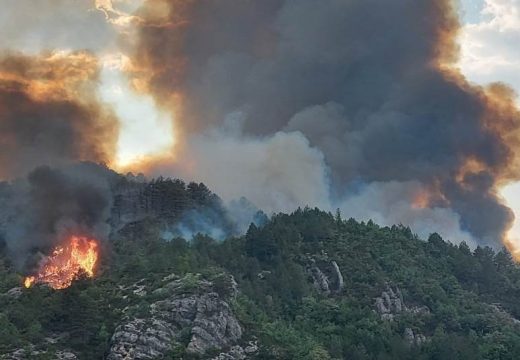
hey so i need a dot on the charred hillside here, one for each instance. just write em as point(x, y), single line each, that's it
point(307, 285)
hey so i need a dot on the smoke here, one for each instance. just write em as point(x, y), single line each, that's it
point(195, 222)
point(38, 212)
point(244, 212)
point(50, 113)
point(334, 96)
point(277, 173)
point(33, 26)
point(332, 103)
point(391, 203)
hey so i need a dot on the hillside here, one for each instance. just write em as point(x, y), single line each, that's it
point(307, 285)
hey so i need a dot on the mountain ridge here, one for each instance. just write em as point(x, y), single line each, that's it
point(305, 285)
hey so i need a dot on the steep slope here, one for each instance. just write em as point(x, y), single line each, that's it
point(308, 285)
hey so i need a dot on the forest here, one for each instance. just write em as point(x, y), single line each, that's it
point(454, 303)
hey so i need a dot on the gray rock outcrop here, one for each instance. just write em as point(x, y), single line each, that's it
point(390, 304)
point(186, 306)
point(413, 339)
point(326, 277)
point(320, 280)
point(238, 352)
point(339, 277)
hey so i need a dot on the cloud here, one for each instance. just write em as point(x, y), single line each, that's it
point(489, 46)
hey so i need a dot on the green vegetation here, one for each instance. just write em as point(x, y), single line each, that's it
point(470, 297)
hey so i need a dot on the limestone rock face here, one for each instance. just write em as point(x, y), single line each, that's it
point(320, 280)
point(326, 276)
point(238, 352)
point(413, 339)
point(186, 306)
point(142, 339)
point(214, 326)
point(339, 277)
point(390, 304)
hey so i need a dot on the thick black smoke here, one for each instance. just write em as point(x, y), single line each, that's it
point(42, 210)
point(370, 83)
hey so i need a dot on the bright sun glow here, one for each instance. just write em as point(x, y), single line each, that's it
point(145, 130)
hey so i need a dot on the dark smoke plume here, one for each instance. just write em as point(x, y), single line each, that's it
point(370, 83)
point(40, 211)
point(50, 113)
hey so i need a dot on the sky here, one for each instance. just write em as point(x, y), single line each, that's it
point(490, 39)
point(490, 52)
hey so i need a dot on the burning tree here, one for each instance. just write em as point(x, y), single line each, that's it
point(78, 255)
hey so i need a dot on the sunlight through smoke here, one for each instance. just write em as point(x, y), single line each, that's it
point(145, 130)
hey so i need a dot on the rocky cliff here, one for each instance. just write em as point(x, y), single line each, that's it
point(188, 315)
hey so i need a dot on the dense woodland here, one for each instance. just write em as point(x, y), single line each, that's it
point(471, 297)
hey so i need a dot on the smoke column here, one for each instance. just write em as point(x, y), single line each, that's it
point(50, 115)
point(331, 103)
point(367, 89)
point(50, 205)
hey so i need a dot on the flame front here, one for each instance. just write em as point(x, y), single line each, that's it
point(79, 254)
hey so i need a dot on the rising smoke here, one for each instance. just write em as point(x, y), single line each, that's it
point(50, 115)
point(368, 89)
point(49, 205)
point(355, 105)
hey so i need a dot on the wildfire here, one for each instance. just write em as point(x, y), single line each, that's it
point(79, 254)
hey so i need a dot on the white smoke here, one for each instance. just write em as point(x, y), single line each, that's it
point(277, 173)
point(390, 203)
point(282, 172)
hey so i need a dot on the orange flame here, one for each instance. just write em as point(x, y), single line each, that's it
point(60, 269)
